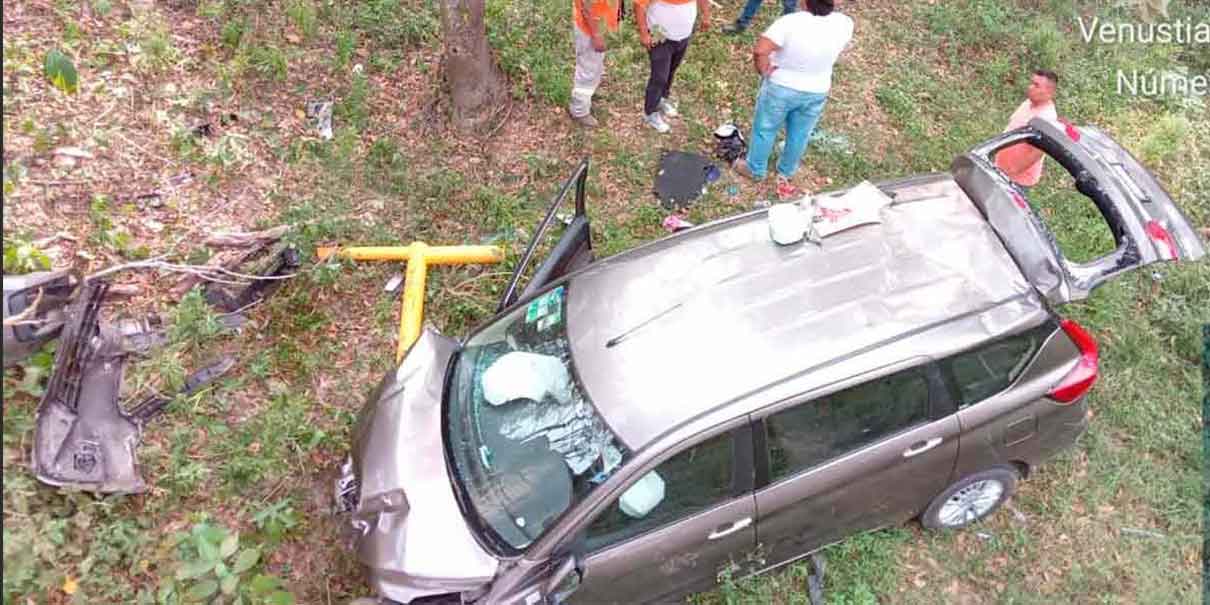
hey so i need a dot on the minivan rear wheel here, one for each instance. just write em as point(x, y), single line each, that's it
point(971, 499)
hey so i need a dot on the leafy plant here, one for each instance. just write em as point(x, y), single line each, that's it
point(304, 16)
point(213, 567)
point(21, 256)
point(276, 519)
point(61, 71)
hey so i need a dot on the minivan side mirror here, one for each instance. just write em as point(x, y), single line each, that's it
point(564, 581)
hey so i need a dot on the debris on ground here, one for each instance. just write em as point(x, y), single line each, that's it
point(682, 177)
point(1142, 533)
point(231, 298)
point(82, 438)
point(34, 311)
point(674, 223)
point(245, 249)
point(729, 143)
point(393, 284)
point(320, 112)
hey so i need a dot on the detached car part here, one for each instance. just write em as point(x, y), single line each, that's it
point(82, 438)
point(38, 299)
point(229, 299)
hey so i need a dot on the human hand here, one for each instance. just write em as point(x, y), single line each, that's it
point(645, 40)
point(598, 42)
point(703, 23)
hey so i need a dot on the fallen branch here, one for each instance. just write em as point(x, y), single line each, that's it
point(247, 238)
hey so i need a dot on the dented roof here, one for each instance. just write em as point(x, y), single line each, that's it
point(681, 326)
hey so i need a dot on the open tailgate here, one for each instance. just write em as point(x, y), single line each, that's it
point(1146, 224)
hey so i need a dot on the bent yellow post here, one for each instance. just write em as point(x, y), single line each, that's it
point(418, 257)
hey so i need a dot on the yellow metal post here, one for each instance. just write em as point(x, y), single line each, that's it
point(418, 257)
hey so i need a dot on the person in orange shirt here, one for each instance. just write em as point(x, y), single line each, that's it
point(1023, 162)
point(665, 27)
point(592, 18)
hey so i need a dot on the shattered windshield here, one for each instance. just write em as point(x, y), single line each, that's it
point(525, 441)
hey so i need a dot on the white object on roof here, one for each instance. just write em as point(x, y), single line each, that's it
point(787, 223)
point(861, 205)
point(523, 375)
point(644, 495)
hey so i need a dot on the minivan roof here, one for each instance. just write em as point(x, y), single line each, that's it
point(676, 328)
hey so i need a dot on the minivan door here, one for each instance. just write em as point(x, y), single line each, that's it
point(573, 250)
point(674, 528)
point(1146, 224)
point(864, 457)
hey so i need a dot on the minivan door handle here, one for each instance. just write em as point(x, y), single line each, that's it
point(921, 447)
point(724, 531)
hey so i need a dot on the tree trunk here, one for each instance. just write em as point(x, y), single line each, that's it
point(472, 82)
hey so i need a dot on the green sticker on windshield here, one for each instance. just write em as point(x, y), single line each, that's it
point(548, 306)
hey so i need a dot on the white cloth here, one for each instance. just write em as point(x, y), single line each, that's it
point(673, 21)
point(809, 45)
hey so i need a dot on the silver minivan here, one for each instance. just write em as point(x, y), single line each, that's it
point(626, 428)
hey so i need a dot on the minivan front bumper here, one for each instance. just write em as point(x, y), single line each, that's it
point(408, 529)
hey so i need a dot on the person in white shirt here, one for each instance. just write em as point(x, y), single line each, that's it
point(665, 27)
point(794, 58)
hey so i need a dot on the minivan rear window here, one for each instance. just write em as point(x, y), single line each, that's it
point(987, 370)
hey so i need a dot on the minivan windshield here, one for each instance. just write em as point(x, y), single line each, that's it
point(524, 441)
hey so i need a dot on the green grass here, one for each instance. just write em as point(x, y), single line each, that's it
point(254, 452)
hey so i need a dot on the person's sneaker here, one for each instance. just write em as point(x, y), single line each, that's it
point(656, 121)
point(741, 168)
point(585, 121)
point(734, 28)
point(668, 108)
point(786, 190)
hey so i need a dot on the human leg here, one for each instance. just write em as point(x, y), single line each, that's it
point(678, 55)
point(658, 81)
point(767, 119)
point(800, 125)
point(746, 15)
point(590, 68)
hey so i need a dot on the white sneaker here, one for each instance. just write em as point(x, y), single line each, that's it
point(668, 108)
point(656, 121)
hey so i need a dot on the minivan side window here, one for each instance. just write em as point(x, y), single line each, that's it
point(814, 432)
point(691, 481)
point(987, 370)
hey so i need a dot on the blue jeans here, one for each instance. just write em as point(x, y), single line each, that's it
point(745, 16)
point(777, 106)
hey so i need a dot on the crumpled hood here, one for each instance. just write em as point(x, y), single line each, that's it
point(410, 532)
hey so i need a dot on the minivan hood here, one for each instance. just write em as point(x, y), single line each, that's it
point(410, 532)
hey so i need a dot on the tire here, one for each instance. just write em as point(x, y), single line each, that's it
point(971, 499)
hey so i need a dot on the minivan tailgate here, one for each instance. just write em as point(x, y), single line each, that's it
point(1146, 224)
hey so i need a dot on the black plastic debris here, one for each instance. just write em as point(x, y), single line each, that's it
point(204, 129)
point(150, 407)
point(228, 298)
point(682, 178)
point(729, 143)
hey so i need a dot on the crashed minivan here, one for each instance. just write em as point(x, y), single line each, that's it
point(626, 428)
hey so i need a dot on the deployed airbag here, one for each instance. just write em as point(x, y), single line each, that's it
point(643, 496)
point(522, 375)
